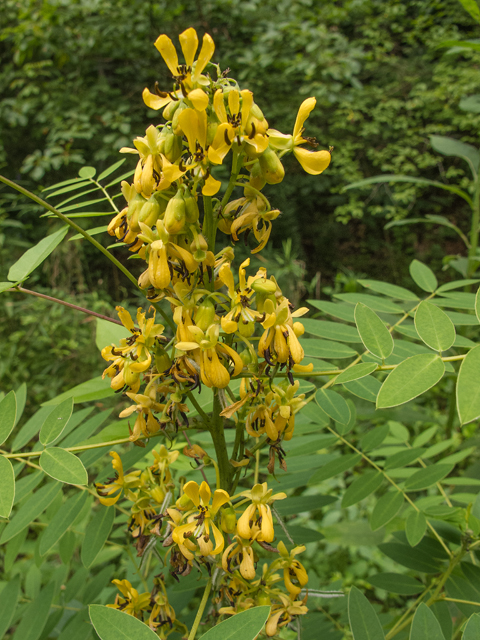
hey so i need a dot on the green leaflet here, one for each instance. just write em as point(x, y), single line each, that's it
point(425, 626)
point(96, 534)
point(242, 626)
point(423, 276)
point(112, 624)
point(7, 487)
point(339, 310)
point(424, 478)
point(34, 257)
point(472, 628)
point(468, 389)
point(396, 583)
point(108, 333)
point(61, 521)
point(386, 509)
point(94, 389)
point(403, 458)
point(318, 348)
point(376, 303)
point(56, 422)
point(63, 466)
point(334, 405)
point(366, 388)
point(34, 620)
point(8, 414)
point(390, 290)
point(374, 438)
point(335, 467)
point(10, 595)
point(38, 502)
point(415, 527)
point(364, 622)
point(356, 372)
point(434, 327)
point(409, 379)
point(456, 148)
point(373, 332)
point(362, 487)
point(415, 559)
point(331, 330)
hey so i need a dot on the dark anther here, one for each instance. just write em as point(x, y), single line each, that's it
point(252, 132)
point(227, 139)
point(266, 355)
point(162, 94)
point(181, 166)
point(290, 378)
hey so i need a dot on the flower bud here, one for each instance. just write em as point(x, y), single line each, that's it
point(130, 377)
point(205, 314)
point(175, 213)
point(134, 207)
point(173, 147)
point(228, 519)
point(170, 109)
point(149, 212)
point(163, 361)
point(191, 208)
point(272, 168)
point(262, 285)
point(177, 130)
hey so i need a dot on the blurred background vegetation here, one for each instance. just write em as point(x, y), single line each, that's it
point(71, 77)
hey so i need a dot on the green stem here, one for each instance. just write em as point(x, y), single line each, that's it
point(472, 252)
point(237, 164)
point(200, 611)
point(218, 436)
point(72, 224)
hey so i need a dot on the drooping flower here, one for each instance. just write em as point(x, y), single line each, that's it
point(193, 531)
point(110, 492)
point(261, 497)
point(313, 162)
point(133, 603)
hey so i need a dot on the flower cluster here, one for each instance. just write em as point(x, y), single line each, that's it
point(224, 324)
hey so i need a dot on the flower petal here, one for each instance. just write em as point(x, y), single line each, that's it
point(153, 101)
point(220, 497)
point(199, 99)
point(211, 186)
point(189, 43)
point(206, 52)
point(313, 162)
point(167, 51)
point(190, 489)
point(305, 108)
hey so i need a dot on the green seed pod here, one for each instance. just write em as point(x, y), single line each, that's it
point(246, 357)
point(175, 214)
point(205, 314)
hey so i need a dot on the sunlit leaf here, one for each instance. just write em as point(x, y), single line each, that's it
point(409, 379)
point(34, 257)
point(63, 466)
point(423, 276)
point(364, 622)
point(373, 332)
point(468, 389)
point(434, 327)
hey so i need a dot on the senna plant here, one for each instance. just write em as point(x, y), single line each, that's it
point(233, 423)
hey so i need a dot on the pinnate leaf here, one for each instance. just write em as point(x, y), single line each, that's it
point(334, 405)
point(96, 535)
point(362, 487)
point(112, 624)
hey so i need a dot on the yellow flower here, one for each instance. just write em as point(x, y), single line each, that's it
point(133, 603)
point(313, 162)
point(208, 353)
point(186, 76)
point(194, 537)
point(294, 573)
point(250, 213)
point(241, 552)
point(145, 422)
point(261, 498)
point(240, 317)
point(133, 356)
point(283, 613)
point(279, 340)
point(118, 484)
